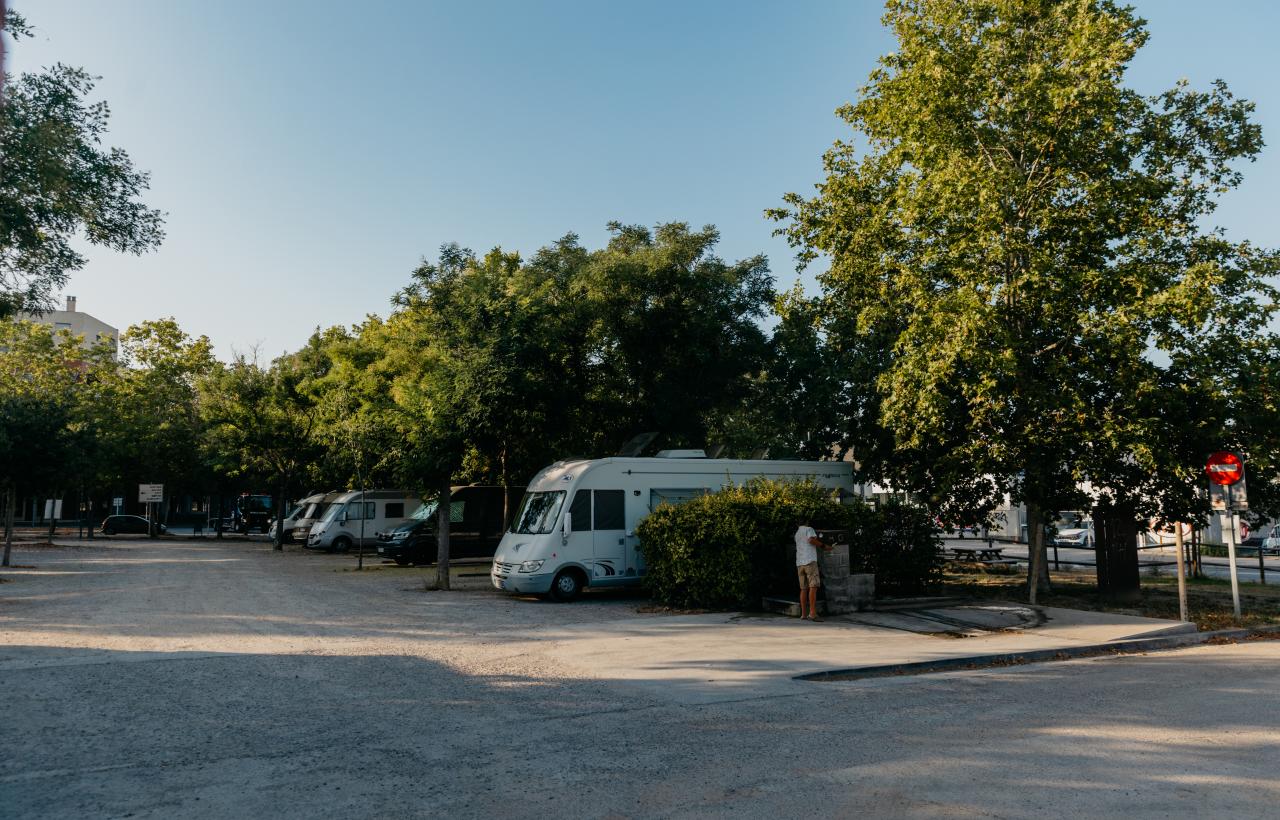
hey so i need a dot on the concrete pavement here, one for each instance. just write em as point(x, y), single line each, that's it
point(225, 680)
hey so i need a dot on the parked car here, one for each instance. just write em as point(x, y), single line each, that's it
point(127, 524)
point(1073, 529)
point(1079, 537)
point(1271, 539)
point(476, 524)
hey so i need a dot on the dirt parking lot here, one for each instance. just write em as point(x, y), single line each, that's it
point(205, 679)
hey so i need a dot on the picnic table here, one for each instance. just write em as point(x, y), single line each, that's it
point(978, 553)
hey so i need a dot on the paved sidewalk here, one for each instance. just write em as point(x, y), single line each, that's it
point(710, 658)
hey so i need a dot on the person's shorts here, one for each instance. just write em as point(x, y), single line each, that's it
point(809, 575)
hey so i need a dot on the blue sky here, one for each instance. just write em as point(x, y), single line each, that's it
point(310, 154)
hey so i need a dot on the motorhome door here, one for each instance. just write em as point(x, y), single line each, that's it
point(609, 533)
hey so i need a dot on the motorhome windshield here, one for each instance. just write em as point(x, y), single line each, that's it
point(332, 511)
point(426, 512)
point(538, 513)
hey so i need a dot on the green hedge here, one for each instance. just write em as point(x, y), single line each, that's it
point(727, 549)
point(901, 545)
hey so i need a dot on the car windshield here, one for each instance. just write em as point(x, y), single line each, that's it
point(538, 513)
point(426, 511)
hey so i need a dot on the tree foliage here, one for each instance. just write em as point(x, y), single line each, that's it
point(1020, 268)
point(57, 182)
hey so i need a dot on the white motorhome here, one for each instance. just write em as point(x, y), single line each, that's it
point(354, 518)
point(576, 525)
point(312, 510)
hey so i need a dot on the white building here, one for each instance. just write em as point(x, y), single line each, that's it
point(78, 323)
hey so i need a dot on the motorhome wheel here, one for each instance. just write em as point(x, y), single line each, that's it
point(566, 586)
point(342, 544)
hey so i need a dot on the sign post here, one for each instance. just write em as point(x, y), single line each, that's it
point(150, 494)
point(1225, 471)
point(1182, 574)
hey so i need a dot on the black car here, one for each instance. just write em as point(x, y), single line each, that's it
point(476, 524)
point(128, 524)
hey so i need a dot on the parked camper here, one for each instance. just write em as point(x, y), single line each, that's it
point(576, 524)
point(476, 526)
point(354, 518)
point(293, 511)
point(313, 508)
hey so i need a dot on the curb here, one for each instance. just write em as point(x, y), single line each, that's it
point(1127, 647)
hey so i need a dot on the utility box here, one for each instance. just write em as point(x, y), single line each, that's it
point(1116, 545)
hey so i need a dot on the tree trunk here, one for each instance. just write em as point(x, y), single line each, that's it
point(442, 536)
point(278, 542)
point(11, 502)
point(53, 517)
point(506, 493)
point(1037, 563)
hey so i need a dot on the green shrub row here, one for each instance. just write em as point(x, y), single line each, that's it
point(726, 550)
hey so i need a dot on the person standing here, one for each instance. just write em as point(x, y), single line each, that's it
point(807, 545)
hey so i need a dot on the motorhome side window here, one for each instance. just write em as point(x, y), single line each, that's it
point(538, 513)
point(356, 510)
point(580, 509)
point(674, 496)
point(457, 510)
point(395, 509)
point(609, 510)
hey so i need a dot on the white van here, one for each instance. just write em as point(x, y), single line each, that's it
point(576, 524)
point(354, 518)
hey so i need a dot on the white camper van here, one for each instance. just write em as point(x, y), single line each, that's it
point(354, 516)
point(313, 508)
point(576, 524)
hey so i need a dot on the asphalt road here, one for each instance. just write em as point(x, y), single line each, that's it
point(180, 679)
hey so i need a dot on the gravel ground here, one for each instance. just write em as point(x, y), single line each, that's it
point(166, 679)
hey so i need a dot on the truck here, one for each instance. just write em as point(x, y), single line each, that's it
point(575, 527)
point(252, 511)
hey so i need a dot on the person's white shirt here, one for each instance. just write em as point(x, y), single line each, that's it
point(806, 553)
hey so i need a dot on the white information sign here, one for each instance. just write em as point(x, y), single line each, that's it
point(148, 493)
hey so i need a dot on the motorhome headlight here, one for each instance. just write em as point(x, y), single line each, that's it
point(530, 566)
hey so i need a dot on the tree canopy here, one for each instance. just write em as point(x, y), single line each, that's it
point(1021, 265)
point(58, 182)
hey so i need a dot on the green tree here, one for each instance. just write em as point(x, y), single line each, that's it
point(39, 370)
point(675, 332)
point(57, 183)
point(260, 424)
point(1018, 245)
point(145, 409)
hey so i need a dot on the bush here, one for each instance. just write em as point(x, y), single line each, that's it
point(901, 545)
point(728, 549)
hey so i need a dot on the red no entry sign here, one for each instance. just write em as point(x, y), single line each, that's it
point(1224, 468)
